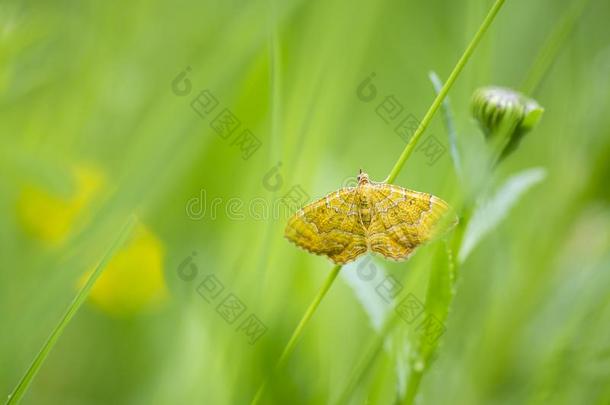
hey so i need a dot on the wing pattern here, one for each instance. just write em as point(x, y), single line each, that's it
point(403, 219)
point(400, 221)
point(330, 226)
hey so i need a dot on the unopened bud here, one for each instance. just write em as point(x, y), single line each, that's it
point(505, 116)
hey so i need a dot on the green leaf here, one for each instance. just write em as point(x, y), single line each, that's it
point(490, 212)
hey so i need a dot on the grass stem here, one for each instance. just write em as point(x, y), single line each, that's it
point(391, 177)
point(416, 375)
point(299, 329)
point(443, 92)
point(76, 303)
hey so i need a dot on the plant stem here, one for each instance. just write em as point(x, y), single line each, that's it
point(299, 329)
point(417, 375)
point(435, 297)
point(441, 95)
point(391, 177)
point(25, 381)
point(308, 314)
point(413, 386)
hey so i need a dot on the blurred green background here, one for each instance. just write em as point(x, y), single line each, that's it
point(95, 124)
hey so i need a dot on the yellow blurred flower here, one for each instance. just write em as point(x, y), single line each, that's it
point(51, 216)
point(133, 281)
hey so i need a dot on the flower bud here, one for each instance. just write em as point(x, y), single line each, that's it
point(505, 116)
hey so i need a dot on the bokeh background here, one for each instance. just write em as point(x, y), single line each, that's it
point(96, 124)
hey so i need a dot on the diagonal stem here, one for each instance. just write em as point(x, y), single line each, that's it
point(391, 177)
point(536, 75)
point(46, 348)
point(443, 93)
point(299, 329)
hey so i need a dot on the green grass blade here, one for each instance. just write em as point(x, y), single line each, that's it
point(444, 90)
point(29, 375)
point(392, 176)
point(299, 329)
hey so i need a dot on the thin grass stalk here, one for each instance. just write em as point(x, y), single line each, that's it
point(406, 153)
point(408, 150)
point(535, 77)
point(299, 329)
point(76, 303)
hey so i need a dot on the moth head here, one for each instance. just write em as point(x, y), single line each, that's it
point(363, 178)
